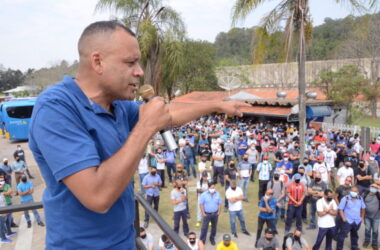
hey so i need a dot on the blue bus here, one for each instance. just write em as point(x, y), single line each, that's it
point(15, 117)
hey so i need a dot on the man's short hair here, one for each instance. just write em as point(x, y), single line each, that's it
point(142, 229)
point(102, 27)
point(191, 233)
point(328, 191)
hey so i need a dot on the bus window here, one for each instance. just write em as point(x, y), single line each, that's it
point(20, 112)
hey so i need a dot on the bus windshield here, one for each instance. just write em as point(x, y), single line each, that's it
point(20, 112)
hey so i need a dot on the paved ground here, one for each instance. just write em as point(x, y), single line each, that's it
point(33, 238)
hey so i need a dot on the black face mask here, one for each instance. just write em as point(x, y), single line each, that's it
point(232, 165)
point(246, 159)
point(329, 199)
point(143, 236)
point(233, 188)
point(297, 181)
point(276, 177)
point(192, 242)
point(301, 174)
point(179, 171)
point(268, 239)
point(296, 237)
point(153, 173)
point(23, 179)
point(178, 187)
point(317, 179)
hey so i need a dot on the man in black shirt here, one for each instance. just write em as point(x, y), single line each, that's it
point(363, 178)
point(316, 191)
point(340, 192)
point(229, 174)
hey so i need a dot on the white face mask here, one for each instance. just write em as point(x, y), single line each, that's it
point(372, 158)
point(211, 190)
point(265, 161)
point(286, 159)
point(2, 182)
point(219, 150)
point(267, 197)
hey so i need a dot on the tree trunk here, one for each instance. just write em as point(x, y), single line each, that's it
point(302, 86)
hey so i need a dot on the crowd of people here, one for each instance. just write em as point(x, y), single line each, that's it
point(333, 188)
point(23, 188)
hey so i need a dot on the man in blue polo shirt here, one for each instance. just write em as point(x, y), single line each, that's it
point(151, 183)
point(88, 136)
point(210, 204)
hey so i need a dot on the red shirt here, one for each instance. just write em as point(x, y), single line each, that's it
point(296, 191)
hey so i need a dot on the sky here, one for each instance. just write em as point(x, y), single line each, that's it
point(41, 33)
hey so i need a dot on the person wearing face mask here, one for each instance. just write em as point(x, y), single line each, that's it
point(202, 186)
point(21, 154)
point(372, 217)
point(5, 219)
point(179, 198)
point(327, 210)
point(229, 149)
point(211, 206)
point(352, 212)
point(227, 244)
point(296, 195)
point(268, 241)
point(343, 172)
point(7, 171)
point(374, 146)
point(305, 180)
point(188, 156)
point(340, 192)
point(146, 238)
point(278, 188)
point(267, 214)
point(363, 177)
point(296, 241)
point(286, 165)
point(264, 169)
point(315, 190)
point(203, 167)
point(322, 168)
point(242, 147)
point(19, 168)
point(253, 159)
point(244, 171)
point(151, 183)
point(218, 165)
point(230, 174)
point(329, 157)
point(193, 243)
point(234, 195)
point(25, 191)
point(373, 166)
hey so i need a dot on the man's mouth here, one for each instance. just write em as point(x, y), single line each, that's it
point(134, 86)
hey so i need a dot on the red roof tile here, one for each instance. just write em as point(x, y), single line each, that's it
point(260, 110)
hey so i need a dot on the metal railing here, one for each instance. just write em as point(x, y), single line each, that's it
point(180, 244)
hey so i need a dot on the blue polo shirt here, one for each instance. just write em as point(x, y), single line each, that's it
point(210, 201)
point(170, 156)
point(24, 187)
point(149, 180)
point(272, 204)
point(288, 166)
point(69, 133)
point(242, 151)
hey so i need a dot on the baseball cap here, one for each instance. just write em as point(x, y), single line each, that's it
point(5, 159)
point(269, 231)
point(265, 157)
point(286, 155)
point(320, 157)
point(301, 167)
point(226, 237)
point(204, 174)
point(297, 176)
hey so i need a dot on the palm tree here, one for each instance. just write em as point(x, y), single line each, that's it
point(295, 14)
point(152, 22)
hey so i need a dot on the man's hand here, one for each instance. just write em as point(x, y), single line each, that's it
point(155, 115)
point(233, 108)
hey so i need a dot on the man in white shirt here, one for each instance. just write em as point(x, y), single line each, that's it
point(218, 166)
point(330, 157)
point(146, 239)
point(327, 210)
point(235, 196)
point(322, 168)
point(343, 172)
point(202, 167)
point(143, 171)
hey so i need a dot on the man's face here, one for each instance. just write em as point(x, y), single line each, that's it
point(121, 70)
point(226, 243)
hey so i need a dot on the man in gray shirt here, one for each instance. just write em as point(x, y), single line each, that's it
point(372, 217)
point(178, 197)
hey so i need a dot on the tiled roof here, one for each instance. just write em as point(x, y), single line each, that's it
point(271, 111)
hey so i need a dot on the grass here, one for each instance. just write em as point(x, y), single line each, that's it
point(367, 121)
point(250, 209)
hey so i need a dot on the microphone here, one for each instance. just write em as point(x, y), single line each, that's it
point(147, 93)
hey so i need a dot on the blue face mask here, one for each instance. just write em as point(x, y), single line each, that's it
point(353, 194)
point(373, 190)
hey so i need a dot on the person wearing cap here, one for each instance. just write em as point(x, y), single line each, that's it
point(316, 191)
point(264, 168)
point(227, 243)
point(211, 206)
point(7, 171)
point(268, 241)
point(296, 195)
point(151, 183)
point(286, 165)
point(234, 195)
point(321, 167)
point(267, 214)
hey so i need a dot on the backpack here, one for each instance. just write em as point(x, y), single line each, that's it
point(272, 184)
point(286, 237)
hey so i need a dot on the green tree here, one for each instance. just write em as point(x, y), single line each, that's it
point(297, 19)
point(10, 79)
point(152, 22)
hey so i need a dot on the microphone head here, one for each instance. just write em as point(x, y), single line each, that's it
point(147, 92)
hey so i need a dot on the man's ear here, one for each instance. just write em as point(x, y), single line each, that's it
point(96, 62)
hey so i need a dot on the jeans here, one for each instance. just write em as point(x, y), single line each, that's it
point(170, 167)
point(152, 199)
point(189, 162)
point(304, 207)
point(177, 217)
point(225, 199)
point(254, 165)
point(218, 171)
point(240, 216)
point(260, 225)
point(161, 173)
point(35, 213)
point(228, 158)
point(141, 177)
point(262, 188)
point(329, 233)
point(2, 227)
point(293, 212)
point(371, 226)
point(213, 218)
point(243, 184)
point(313, 211)
point(345, 229)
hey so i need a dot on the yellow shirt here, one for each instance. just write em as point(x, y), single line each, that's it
point(232, 246)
